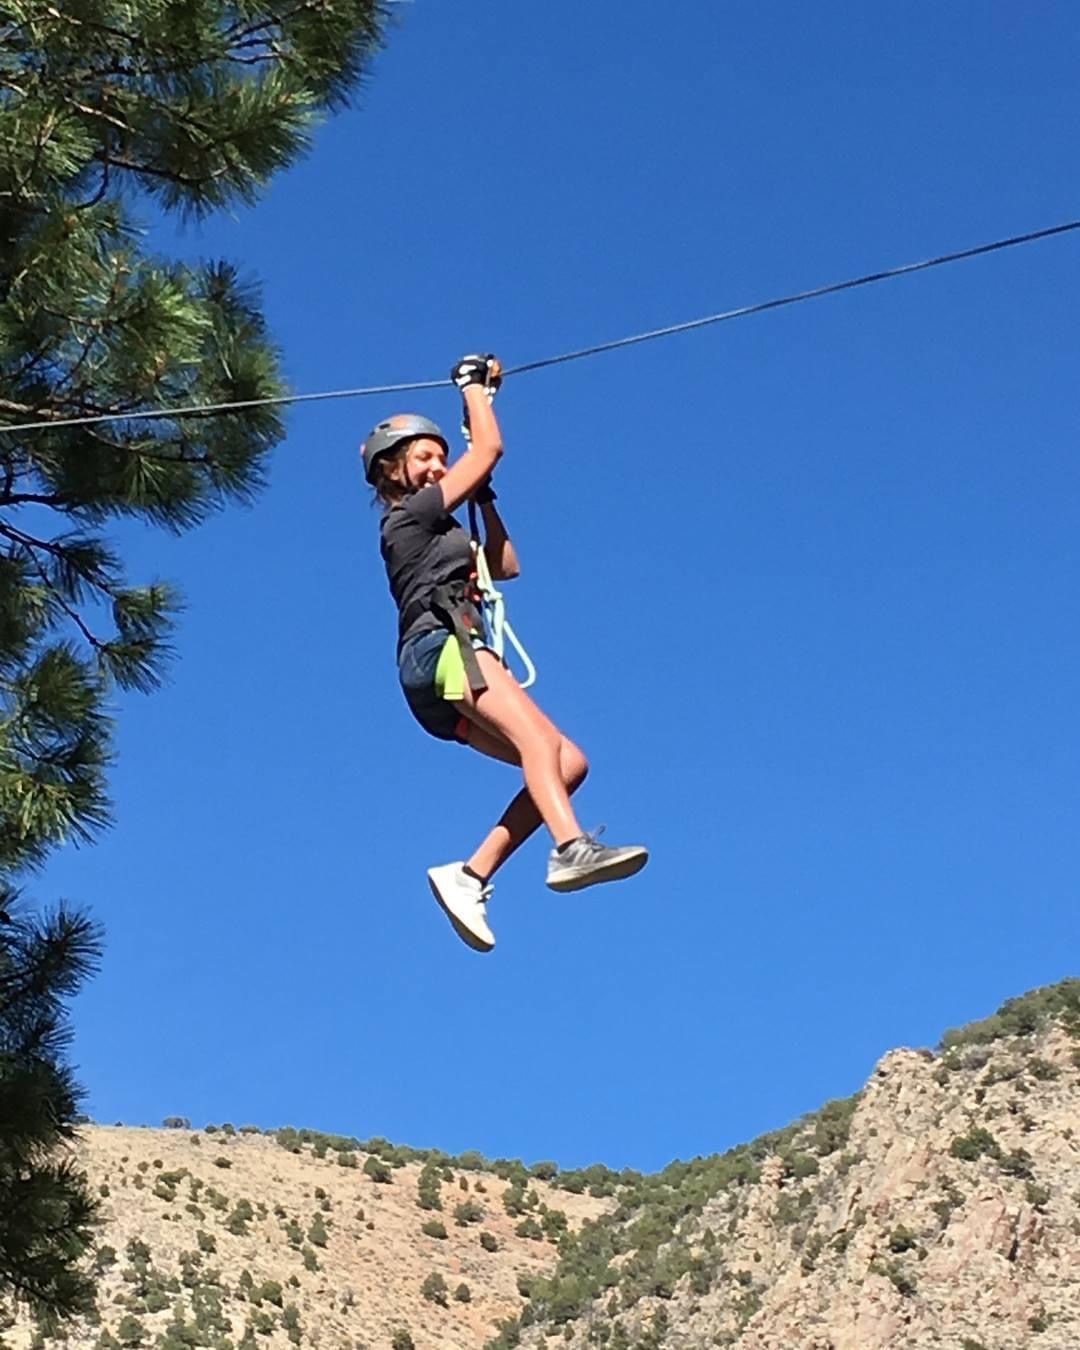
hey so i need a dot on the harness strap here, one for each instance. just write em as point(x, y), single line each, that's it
point(452, 606)
point(495, 608)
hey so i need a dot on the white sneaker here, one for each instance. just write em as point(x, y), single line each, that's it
point(464, 901)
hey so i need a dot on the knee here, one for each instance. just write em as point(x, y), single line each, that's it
point(575, 766)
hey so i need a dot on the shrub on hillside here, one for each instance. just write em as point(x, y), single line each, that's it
point(510, 1169)
point(799, 1165)
point(810, 1253)
point(377, 1170)
point(971, 1146)
point(902, 1239)
point(291, 1322)
point(1018, 1163)
point(903, 1281)
point(428, 1188)
point(1023, 1015)
point(469, 1211)
point(514, 1199)
point(1037, 1195)
point(241, 1216)
point(434, 1289)
point(104, 1257)
point(130, 1332)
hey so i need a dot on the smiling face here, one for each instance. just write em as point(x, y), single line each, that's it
point(424, 462)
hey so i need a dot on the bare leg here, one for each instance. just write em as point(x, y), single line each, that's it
point(507, 713)
point(521, 819)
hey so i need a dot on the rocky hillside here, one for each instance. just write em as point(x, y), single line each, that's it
point(940, 1206)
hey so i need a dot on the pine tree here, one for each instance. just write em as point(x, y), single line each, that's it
point(194, 104)
point(46, 1212)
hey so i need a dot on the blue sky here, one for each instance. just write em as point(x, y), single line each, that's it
point(803, 586)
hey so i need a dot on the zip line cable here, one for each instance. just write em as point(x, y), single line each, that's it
point(741, 312)
point(831, 289)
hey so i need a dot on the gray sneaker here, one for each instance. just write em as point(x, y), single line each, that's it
point(586, 861)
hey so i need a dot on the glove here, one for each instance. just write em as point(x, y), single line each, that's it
point(483, 370)
point(484, 493)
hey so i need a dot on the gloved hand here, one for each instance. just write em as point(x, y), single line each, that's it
point(477, 369)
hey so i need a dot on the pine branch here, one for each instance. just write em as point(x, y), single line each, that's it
point(72, 613)
point(155, 171)
point(8, 498)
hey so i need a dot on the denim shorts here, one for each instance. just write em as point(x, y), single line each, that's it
point(417, 661)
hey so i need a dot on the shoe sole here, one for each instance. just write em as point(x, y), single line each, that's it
point(619, 870)
point(467, 936)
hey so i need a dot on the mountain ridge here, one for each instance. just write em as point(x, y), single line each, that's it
point(938, 1206)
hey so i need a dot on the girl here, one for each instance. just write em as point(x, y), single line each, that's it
point(456, 687)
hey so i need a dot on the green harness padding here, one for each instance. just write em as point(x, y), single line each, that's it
point(451, 679)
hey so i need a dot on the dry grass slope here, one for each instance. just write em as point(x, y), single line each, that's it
point(219, 1236)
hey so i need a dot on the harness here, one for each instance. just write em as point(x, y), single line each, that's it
point(488, 598)
point(457, 605)
point(493, 606)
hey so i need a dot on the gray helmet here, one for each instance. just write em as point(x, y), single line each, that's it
point(392, 432)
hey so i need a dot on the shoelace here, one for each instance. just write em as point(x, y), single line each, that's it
point(487, 888)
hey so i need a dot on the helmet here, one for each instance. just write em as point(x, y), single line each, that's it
point(392, 432)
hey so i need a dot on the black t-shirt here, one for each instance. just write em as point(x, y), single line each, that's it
point(422, 546)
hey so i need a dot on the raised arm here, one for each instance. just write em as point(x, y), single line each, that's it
point(485, 447)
